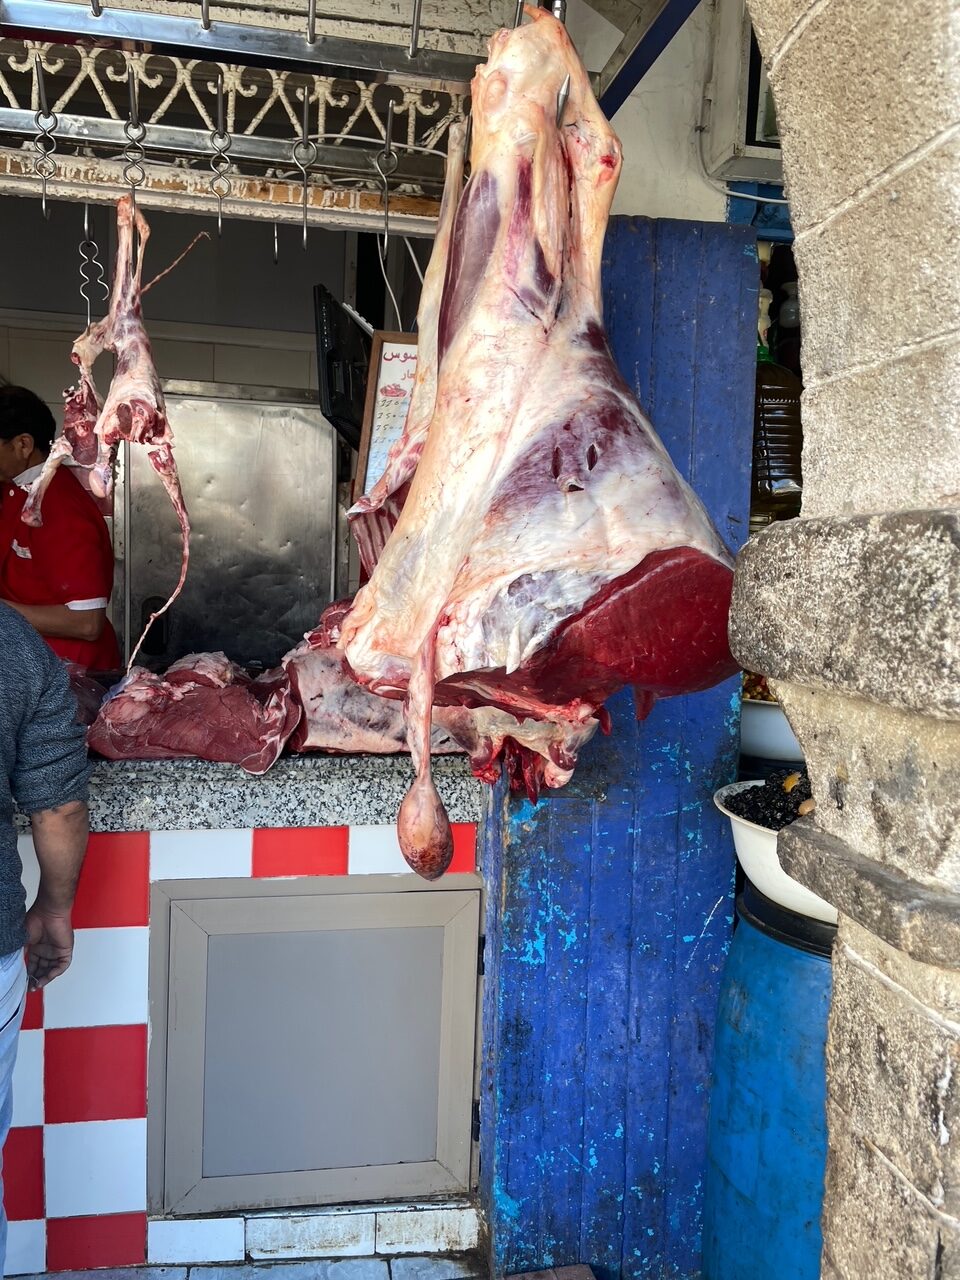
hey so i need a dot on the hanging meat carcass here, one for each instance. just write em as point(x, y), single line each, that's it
point(547, 552)
point(134, 409)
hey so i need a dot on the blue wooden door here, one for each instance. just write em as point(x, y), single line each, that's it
point(610, 902)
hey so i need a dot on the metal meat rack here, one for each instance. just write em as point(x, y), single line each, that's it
point(192, 113)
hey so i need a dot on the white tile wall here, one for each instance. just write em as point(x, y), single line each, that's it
point(202, 1240)
point(427, 1231)
point(26, 1248)
point(323, 1235)
point(28, 1080)
point(97, 1167)
point(106, 985)
point(200, 855)
point(375, 850)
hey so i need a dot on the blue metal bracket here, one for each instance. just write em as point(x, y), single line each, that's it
point(639, 49)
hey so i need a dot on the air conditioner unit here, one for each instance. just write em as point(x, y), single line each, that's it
point(741, 141)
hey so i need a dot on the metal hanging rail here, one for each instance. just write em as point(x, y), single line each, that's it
point(354, 161)
point(254, 46)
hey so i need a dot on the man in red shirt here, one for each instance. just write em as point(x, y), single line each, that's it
point(58, 576)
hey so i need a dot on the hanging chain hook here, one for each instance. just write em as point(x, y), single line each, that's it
point(135, 131)
point(44, 166)
point(304, 155)
point(91, 268)
point(221, 141)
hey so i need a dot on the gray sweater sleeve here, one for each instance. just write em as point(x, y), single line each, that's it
point(51, 757)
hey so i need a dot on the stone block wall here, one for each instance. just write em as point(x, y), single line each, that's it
point(854, 608)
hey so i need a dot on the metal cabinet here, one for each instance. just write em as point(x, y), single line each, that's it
point(258, 469)
point(311, 1045)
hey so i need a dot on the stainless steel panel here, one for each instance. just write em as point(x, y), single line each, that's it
point(259, 480)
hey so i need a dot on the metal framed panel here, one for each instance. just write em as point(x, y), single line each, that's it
point(185, 926)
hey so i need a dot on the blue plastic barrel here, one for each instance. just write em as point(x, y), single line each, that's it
point(767, 1139)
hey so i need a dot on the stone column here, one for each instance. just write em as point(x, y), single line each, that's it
point(854, 608)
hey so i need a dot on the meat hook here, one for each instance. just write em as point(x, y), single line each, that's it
point(518, 16)
point(205, 14)
point(312, 22)
point(562, 97)
point(133, 171)
point(220, 140)
point(386, 163)
point(96, 8)
point(415, 29)
point(276, 244)
point(91, 268)
point(44, 166)
point(304, 155)
point(560, 10)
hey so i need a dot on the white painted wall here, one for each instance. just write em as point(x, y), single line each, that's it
point(661, 176)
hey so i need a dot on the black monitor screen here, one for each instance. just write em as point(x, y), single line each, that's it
point(343, 357)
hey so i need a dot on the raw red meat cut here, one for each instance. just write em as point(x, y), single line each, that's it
point(547, 552)
point(204, 706)
point(134, 409)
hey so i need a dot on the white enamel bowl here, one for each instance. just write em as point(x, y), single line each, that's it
point(757, 851)
point(765, 732)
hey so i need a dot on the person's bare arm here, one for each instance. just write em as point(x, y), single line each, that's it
point(61, 622)
point(49, 782)
point(60, 841)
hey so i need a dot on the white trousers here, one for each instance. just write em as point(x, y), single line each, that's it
point(13, 991)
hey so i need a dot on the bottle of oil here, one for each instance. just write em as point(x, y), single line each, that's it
point(777, 434)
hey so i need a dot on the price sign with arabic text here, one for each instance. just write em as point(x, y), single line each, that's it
point(393, 366)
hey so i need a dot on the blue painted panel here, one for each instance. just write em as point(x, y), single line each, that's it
point(610, 902)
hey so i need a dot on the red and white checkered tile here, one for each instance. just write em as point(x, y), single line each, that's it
point(74, 1166)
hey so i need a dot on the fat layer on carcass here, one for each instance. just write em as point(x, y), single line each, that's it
point(134, 409)
point(547, 552)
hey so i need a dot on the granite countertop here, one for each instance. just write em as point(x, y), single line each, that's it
point(299, 791)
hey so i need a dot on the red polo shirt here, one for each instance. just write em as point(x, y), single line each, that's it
point(67, 560)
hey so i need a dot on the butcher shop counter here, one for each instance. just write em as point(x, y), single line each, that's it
point(299, 791)
point(303, 857)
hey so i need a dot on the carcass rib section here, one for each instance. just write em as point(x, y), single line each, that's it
point(134, 409)
point(548, 552)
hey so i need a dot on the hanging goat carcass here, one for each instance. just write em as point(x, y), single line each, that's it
point(547, 552)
